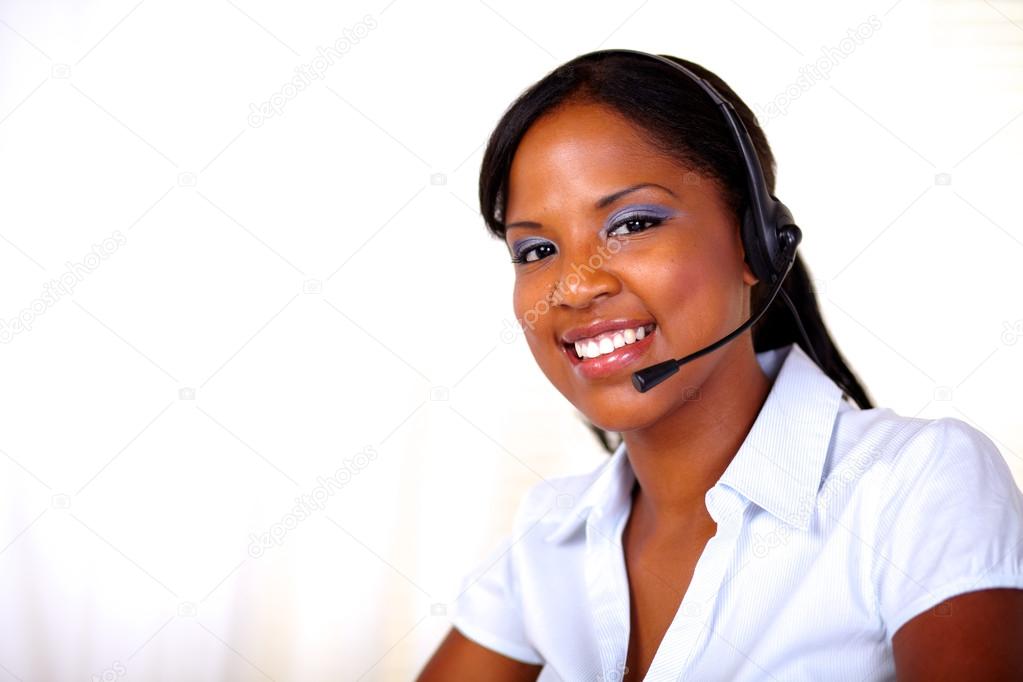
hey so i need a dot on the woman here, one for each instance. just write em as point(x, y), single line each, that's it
point(759, 518)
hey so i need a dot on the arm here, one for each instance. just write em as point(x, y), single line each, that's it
point(949, 558)
point(489, 638)
point(460, 658)
point(972, 636)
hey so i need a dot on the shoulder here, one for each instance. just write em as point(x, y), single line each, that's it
point(945, 513)
point(948, 467)
point(550, 502)
point(900, 451)
point(944, 453)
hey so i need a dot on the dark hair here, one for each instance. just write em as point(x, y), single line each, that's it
point(678, 118)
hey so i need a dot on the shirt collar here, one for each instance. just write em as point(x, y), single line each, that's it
point(778, 466)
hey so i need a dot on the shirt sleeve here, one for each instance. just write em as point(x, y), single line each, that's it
point(951, 522)
point(487, 609)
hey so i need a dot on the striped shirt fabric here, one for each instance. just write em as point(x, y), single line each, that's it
point(835, 526)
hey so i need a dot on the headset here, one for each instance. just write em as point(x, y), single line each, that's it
point(769, 234)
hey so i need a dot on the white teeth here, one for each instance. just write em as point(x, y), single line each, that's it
point(604, 344)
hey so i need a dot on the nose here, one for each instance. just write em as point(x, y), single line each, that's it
point(582, 281)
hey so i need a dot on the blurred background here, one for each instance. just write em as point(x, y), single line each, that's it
point(265, 402)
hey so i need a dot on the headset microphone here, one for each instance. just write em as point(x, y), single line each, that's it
point(769, 236)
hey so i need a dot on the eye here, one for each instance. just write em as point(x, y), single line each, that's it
point(523, 256)
point(634, 220)
point(637, 222)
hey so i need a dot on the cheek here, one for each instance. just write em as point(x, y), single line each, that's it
point(689, 294)
point(520, 306)
point(530, 309)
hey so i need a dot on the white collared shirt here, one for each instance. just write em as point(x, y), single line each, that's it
point(835, 526)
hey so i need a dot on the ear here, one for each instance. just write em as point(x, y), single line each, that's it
point(747, 275)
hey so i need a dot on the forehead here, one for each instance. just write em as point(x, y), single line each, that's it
point(579, 152)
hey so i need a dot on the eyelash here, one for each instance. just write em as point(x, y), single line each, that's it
point(653, 220)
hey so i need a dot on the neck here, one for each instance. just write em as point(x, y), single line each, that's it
point(680, 457)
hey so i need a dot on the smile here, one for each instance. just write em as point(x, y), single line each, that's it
point(605, 354)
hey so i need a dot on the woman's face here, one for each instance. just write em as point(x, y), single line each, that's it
point(670, 256)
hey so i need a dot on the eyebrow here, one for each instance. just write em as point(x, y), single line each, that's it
point(601, 203)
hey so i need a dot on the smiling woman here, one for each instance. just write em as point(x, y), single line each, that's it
point(755, 483)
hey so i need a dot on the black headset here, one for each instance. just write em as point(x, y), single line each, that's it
point(769, 235)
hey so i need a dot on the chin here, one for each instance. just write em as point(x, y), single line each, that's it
point(614, 405)
point(620, 415)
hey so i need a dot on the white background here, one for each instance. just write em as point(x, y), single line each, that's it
point(290, 293)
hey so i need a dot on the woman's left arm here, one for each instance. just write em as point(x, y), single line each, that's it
point(972, 636)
